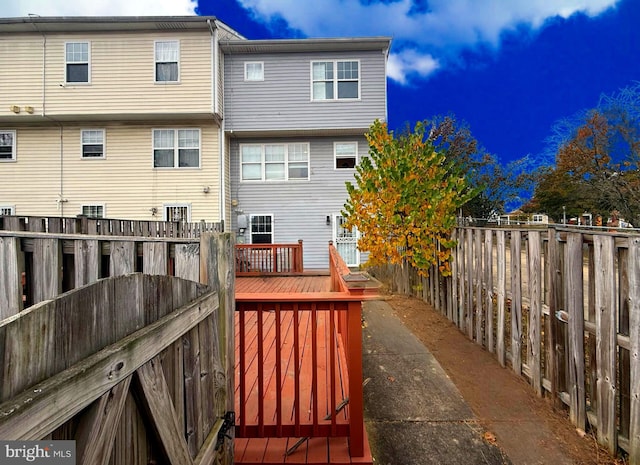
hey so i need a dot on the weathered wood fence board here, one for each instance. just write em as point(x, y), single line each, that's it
point(125, 360)
point(569, 322)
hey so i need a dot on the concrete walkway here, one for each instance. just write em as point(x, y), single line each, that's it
point(414, 415)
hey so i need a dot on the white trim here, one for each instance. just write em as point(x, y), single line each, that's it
point(176, 148)
point(246, 77)
point(91, 205)
point(263, 162)
point(335, 155)
point(104, 144)
point(66, 78)
point(273, 226)
point(176, 205)
point(335, 80)
point(11, 210)
point(14, 146)
point(155, 77)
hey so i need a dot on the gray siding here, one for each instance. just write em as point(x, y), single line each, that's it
point(300, 208)
point(283, 100)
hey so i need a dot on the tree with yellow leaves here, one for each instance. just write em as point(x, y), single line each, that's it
point(405, 199)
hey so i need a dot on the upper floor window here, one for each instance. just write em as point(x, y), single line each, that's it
point(77, 62)
point(7, 145)
point(92, 141)
point(254, 71)
point(274, 162)
point(167, 59)
point(346, 154)
point(93, 211)
point(335, 80)
point(176, 148)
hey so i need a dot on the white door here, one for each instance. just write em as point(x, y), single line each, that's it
point(346, 241)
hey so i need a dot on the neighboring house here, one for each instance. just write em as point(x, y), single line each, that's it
point(112, 116)
point(127, 117)
point(296, 112)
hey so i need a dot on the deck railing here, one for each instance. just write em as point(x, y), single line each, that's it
point(291, 339)
point(260, 259)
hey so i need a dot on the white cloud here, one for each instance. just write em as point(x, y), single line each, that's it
point(98, 7)
point(444, 28)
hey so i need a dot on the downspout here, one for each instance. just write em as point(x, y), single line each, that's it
point(215, 109)
point(61, 200)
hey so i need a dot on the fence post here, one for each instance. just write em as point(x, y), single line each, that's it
point(11, 270)
point(634, 324)
point(356, 402)
point(556, 333)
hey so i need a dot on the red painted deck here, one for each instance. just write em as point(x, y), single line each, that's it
point(287, 417)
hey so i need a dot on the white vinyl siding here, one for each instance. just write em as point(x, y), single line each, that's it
point(7, 145)
point(176, 148)
point(167, 60)
point(92, 143)
point(254, 71)
point(77, 63)
point(274, 162)
point(346, 155)
point(335, 80)
point(94, 210)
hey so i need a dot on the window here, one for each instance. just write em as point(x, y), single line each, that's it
point(93, 211)
point(274, 162)
point(254, 71)
point(333, 80)
point(7, 145)
point(346, 154)
point(92, 141)
point(177, 212)
point(7, 210)
point(77, 62)
point(262, 229)
point(176, 148)
point(167, 58)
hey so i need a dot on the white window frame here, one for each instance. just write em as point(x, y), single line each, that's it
point(273, 232)
point(247, 77)
point(87, 62)
point(337, 157)
point(287, 162)
point(14, 155)
point(155, 62)
point(103, 143)
point(7, 210)
point(94, 205)
point(176, 149)
point(165, 206)
point(335, 80)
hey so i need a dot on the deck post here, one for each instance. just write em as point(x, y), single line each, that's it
point(354, 358)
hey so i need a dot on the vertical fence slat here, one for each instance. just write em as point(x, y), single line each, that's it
point(87, 261)
point(11, 269)
point(47, 269)
point(488, 289)
point(477, 279)
point(516, 303)
point(634, 335)
point(468, 281)
point(555, 342)
point(123, 258)
point(501, 289)
point(606, 329)
point(453, 305)
point(534, 345)
point(155, 258)
point(574, 303)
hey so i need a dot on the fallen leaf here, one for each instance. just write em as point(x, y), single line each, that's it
point(490, 437)
point(391, 378)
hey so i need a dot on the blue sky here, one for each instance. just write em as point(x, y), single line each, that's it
point(510, 68)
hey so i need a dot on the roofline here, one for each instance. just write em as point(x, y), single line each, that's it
point(110, 23)
point(310, 44)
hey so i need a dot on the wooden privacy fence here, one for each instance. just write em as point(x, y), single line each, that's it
point(108, 226)
point(137, 368)
point(262, 259)
point(561, 307)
